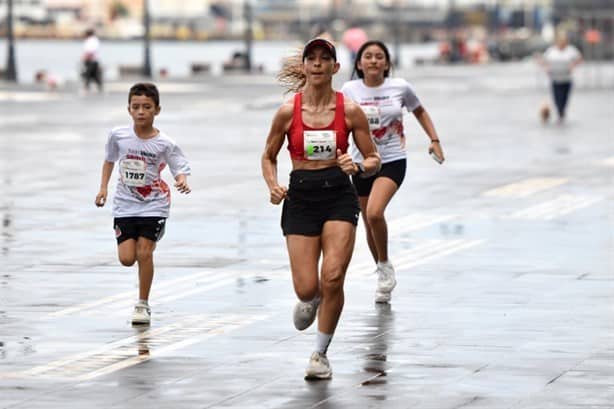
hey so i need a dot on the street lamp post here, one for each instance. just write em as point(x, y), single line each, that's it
point(146, 40)
point(397, 33)
point(11, 70)
point(247, 11)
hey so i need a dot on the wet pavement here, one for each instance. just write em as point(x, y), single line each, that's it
point(504, 258)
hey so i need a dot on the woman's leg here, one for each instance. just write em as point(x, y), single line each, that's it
point(560, 99)
point(304, 254)
point(337, 246)
point(565, 91)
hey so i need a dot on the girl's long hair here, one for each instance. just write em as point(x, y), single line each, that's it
point(359, 73)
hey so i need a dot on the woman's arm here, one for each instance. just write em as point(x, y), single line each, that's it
point(577, 61)
point(274, 142)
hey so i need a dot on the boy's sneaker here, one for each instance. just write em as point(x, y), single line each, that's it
point(305, 313)
point(141, 314)
point(385, 282)
point(318, 368)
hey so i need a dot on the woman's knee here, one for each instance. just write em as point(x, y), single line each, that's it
point(306, 286)
point(306, 293)
point(332, 280)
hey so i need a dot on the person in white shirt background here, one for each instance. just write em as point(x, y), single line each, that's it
point(559, 61)
point(383, 99)
point(92, 70)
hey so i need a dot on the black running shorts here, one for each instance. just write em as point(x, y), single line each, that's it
point(394, 170)
point(315, 197)
point(152, 228)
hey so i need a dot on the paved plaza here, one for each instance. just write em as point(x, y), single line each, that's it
point(504, 257)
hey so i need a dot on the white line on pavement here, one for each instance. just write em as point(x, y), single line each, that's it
point(141, 347)
point(557, 207)
point(126, 294)
point(422, 253)
point(525, 187)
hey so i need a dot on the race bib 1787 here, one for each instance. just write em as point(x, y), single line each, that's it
point(132, 172)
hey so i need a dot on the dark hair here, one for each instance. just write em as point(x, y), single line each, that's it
point(147, 89)
point(361, 50)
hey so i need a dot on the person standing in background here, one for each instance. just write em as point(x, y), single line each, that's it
point(90, 59)
point(559, 61)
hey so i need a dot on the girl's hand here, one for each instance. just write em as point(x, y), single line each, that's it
point(101, 198)
point(436, 147)
point(278, 193)
point(344, 161)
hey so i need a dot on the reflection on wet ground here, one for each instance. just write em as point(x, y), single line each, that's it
point(382, 324)
point(143, 340)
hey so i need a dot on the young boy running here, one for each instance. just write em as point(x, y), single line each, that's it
point(142, 199)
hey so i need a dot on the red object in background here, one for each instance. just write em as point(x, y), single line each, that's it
point(592, 36)
point(353, 38)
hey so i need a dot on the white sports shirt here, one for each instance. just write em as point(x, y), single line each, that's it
point(384, 108)
point(141, 192)
point(560, 62)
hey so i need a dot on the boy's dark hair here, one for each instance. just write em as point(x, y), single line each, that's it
point(147, 89)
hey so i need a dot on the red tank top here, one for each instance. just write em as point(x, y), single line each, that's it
point(296, 144)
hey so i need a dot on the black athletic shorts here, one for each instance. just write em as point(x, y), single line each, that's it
point(151, 228)
point(394, 170)
point(315, 197)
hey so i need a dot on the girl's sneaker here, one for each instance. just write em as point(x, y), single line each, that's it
point(385, 282)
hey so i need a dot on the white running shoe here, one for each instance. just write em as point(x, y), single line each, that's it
point(141, 314)
point(385, 282)
point(305, 313)
point(318, 368)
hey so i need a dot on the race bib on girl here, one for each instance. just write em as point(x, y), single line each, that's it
point(373, 116)
point(132, 172)
point(320, 145)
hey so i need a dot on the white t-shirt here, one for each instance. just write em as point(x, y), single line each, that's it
point(141, 192)
point(91, 46)
point(384, 108)
point(560, 62)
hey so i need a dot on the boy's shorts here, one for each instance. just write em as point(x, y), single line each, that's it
point(152, 228)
